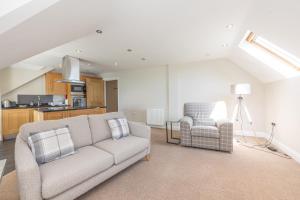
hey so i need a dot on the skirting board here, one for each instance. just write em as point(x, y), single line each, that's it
point(251, 133)
point(284, 148)
point(289, 151)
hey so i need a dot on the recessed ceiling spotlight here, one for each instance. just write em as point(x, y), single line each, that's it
point(98, 31)
point(143, 59)
point(129, 50)
point(78, 50)
point(116, 63)
point(229, 26)
point(225, 45)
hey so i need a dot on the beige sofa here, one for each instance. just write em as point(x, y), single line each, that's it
point(97, 157)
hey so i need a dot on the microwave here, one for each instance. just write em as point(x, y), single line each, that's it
point(78, 89)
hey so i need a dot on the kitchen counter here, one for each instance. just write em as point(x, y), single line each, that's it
point(65, 108)
point(54, 113)
point(31, 107)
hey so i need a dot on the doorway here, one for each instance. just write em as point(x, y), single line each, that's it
point(111, 88)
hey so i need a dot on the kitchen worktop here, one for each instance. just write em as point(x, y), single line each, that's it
point(32, 107)
point(65, 108)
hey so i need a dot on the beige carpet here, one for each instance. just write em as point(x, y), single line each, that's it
point(176, 172)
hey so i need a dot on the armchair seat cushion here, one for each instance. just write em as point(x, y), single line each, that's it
point(63, 174)
point(205, 131)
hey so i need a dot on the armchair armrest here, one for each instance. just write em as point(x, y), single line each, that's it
point(186, 123)
point(141, 130)
point(226, 135)
point(28, 173)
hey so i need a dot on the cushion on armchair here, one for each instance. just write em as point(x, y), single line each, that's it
point(201, 119)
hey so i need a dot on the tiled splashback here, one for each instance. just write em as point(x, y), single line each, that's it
point(44, 99)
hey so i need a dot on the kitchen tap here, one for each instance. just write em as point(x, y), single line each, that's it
point(38, 101)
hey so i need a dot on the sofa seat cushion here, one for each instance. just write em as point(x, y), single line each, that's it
point(205, 131)
point(124, 148)
point(61, 175)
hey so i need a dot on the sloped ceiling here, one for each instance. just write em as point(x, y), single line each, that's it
point(162, 32)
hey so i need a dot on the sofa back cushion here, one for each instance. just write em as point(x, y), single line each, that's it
point(79, 129)
point(99, 126)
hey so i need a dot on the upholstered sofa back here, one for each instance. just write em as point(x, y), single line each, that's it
point(79, 129)
point(85, 130)
point(99, 127)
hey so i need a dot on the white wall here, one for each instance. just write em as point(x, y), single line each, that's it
point(12, 78)
point(36, 86)
point(210, 81)
point(170, 87)
point(283, 108)
point(15, 81)
point(140, 89)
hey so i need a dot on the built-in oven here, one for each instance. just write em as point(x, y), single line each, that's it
point(79, 101)
point(78, 89)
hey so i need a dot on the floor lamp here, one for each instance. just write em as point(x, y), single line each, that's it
point(241, 90)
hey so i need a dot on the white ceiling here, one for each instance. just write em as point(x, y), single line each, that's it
point(164, 32)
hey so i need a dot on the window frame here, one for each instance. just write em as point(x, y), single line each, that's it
point(251, 38)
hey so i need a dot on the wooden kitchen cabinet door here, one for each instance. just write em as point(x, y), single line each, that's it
point(94, 91)
point(52, 86)
point(55, 115)
point(13, 119)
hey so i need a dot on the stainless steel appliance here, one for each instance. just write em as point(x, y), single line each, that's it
point(6, 103)
point(78, 89)
point(78, 95)
point(70, 70)
point(79, 101)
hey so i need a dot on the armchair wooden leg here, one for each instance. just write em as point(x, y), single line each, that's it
point(147, 157)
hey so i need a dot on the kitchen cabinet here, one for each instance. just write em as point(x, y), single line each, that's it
point(54, 87)
point(73, 113)
point(94, 91)
point(13, 119)
point(53, 115)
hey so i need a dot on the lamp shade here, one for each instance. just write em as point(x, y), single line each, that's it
point(241, 89)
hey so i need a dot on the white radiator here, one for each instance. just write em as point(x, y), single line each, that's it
point(155, 116)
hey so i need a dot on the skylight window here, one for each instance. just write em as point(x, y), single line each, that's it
point(278, 59)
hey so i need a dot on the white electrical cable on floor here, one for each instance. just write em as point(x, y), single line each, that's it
point(260, 147)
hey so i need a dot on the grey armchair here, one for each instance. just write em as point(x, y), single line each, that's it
point(197, 129)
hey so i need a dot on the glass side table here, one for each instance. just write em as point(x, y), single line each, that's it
point(2, 166)
point(171, 131)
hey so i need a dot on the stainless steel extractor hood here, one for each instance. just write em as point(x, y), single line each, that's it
point(71, 70)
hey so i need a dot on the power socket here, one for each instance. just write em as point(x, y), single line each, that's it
point(273, 123)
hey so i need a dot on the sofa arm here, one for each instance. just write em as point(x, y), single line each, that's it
point(226, 135)
point(140, 130)
point(28, 173)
